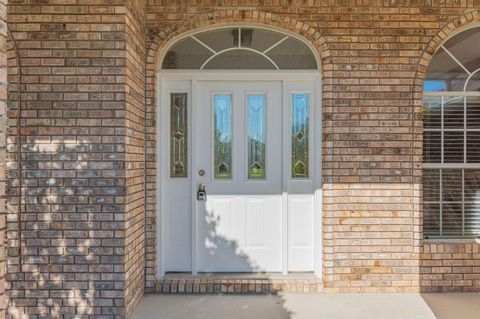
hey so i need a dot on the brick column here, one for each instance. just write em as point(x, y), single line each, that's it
point(3, 150)
point(135, 155)
point(76, 232)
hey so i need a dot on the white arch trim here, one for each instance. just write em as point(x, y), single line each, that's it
point(238, 49)
point(287, 33)
point(460, 64)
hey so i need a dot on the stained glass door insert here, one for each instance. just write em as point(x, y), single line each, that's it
point(256, 136)
point(222, 136)
point(300, 135)
point(178, 135)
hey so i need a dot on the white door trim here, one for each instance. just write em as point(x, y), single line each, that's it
point(195, 101)
point(162, 157)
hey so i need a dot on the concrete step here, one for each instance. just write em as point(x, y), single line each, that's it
point(238, 283)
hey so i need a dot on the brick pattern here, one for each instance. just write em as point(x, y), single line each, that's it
point(135, 155)
point(13, 211)
point(238, 286)
point(450, 267)
point(77, 249)
point(11, 201)
point(3, 151)
point(372, 111)
point(79, 141)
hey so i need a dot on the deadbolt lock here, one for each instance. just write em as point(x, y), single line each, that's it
point(202, 193)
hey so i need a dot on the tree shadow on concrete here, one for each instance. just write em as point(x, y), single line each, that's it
point(245, 292)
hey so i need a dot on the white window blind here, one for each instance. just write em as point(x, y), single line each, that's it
point(451, 143)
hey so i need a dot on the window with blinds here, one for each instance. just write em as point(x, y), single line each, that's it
point(451, 142)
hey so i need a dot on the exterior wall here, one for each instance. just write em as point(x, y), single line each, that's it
point(450, 267)
point(75, 239)
point(135, 154)
point(3, 151)
point(372, 124)
point(81, 219)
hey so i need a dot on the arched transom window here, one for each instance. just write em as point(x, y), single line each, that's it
point(239, 48)
point(451, 147)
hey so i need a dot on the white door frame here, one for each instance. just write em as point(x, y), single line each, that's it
point(162, 158)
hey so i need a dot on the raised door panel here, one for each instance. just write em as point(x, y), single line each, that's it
point(239, 227)
point(178, 236)
point(300, 232)
point(177, 201)
point(221, 236)
point(263, 232)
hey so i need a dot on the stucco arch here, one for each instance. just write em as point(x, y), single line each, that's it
point(202, 21)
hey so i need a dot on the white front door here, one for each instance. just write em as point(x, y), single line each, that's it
point(251, 144)
point(239, 143)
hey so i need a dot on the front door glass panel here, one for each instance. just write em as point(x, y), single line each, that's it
point(178, 135)
point(256, 136)
point(300, 135)
point(222, 136)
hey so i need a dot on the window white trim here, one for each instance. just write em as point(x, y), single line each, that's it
point(238, 49)
point(461, 166)
point(451, 93)
point(457, 32)
point(469, 78)
point(288, 34)
point(456, 60)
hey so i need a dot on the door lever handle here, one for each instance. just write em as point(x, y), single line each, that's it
point(201, 193)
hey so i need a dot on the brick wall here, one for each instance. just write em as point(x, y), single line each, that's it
point(3, 150)
point(135, 154)
point(372, 112)
point(77, 144)
point(75, 233)
point(453, 267)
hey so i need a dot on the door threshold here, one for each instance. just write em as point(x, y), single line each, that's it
point(238, 283)
point(241, 275)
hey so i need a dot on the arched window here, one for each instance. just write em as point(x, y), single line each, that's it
point(239, 48)
point(451, 146)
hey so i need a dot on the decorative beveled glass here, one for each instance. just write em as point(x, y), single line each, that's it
point(178, 135)
point(300, 135)
point(222, 136)
point(256, 118)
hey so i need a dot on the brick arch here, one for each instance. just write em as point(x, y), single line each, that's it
point(434, 250)
point(13, 179)
point(239, 16)
point(457, 25)
point(159, 41)
point(452, 27)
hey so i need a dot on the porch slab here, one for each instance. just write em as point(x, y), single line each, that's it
point(296, 306)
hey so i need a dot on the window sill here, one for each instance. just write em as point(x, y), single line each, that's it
point(451, 241)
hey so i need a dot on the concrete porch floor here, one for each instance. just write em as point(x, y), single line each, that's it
point(307, 306)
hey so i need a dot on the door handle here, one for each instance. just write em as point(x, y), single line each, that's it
point(202, 192)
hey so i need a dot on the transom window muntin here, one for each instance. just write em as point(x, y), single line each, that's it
point(455, 66)
point(240, 48)
point(451, 179)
